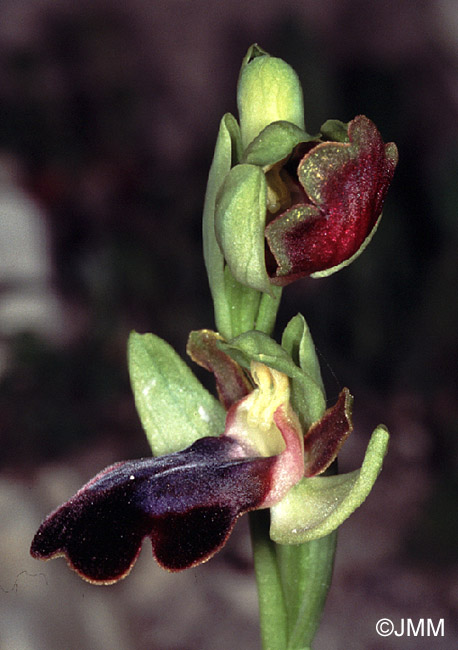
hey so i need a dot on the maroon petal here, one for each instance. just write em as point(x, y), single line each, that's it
point(187, 502)
point(346, 184)
point(231, 382)
point(323, 440)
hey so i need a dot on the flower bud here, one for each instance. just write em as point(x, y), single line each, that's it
point(268, 91)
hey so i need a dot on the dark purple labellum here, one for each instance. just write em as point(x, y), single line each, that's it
point(186, 502)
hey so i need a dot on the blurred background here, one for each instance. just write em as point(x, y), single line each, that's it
point(108, 117)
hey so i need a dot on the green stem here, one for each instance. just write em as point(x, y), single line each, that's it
point(244, 305)
point(268, 309)
point(272, 612)
point(249, 309)
point(305, 573)
point(293, 582)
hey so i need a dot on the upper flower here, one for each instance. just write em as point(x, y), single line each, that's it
point(343, 186)
point(281, 203)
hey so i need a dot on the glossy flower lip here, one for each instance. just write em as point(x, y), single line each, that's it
point(186, 502)
point(345, 185)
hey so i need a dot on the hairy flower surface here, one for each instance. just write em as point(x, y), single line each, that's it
point(187, 502)
point(343, 187)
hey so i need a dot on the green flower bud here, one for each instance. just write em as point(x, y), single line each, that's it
point(268, 91)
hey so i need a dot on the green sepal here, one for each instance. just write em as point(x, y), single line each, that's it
point(227, 154)
point(275, 143)
point(174, 408)
point(307, 396)
point(316, 506)
point(298, 342)
point(335, 130)
point(240, 217)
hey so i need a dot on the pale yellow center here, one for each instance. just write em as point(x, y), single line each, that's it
point(254, 423)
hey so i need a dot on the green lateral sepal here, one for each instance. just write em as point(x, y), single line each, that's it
point(316, 506)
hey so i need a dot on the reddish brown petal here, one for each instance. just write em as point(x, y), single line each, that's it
point(186, 502)
point(346, 184)
point(231, 382)
point(324, 439)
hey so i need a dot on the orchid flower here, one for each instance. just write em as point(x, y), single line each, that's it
point(291, 204)
point(342, 187)
point(187, 501)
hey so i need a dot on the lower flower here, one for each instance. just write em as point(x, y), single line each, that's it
point(187, 502)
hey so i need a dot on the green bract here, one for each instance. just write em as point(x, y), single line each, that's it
point(227, 153)
point(237, 306)
point(174, 408)
point(240, 219)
